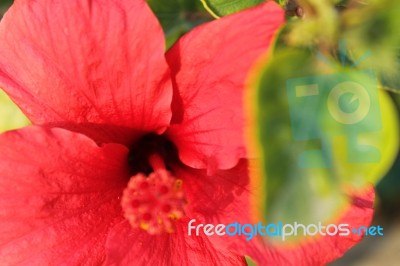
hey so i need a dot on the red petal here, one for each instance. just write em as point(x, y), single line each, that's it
point(211, 199)
point(220, 198)
point(95, 67)
point(58, 197)
point(209, 67)
point(127, 246)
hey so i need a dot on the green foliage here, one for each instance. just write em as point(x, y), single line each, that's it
point(308, 156)
point(4, 6)
point(220, 8)
point(10, 115)
point(375, 27)
point(178, 16)
point(250, 262)
point(365, 25)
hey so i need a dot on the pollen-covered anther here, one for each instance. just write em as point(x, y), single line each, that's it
point(153, 203)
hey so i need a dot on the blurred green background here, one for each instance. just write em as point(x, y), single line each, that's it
point(370, 29)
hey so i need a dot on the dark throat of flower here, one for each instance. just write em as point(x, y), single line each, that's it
point(154, 198)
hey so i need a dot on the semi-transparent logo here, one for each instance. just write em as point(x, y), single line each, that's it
point(326, 106)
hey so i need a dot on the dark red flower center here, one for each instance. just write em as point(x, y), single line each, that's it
point(154, 197)
point(150, 144)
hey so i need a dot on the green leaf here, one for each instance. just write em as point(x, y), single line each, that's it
point(220, 8)
point(319, 24)
point(178, 16)
point(250, 262)
point(320, 127)
point(11, 116)
point(4, 5)
point(374, 28)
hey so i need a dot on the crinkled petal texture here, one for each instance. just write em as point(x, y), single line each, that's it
point(91, 66)
point(58, 196)
point(209, 67)
point(211, 199)
point(127, 246)
point(219, 198)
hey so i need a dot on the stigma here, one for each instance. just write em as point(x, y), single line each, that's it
point(154, 202)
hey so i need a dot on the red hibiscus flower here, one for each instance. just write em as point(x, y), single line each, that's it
point(129, 144)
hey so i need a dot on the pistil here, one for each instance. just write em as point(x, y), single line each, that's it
point(154, 202)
